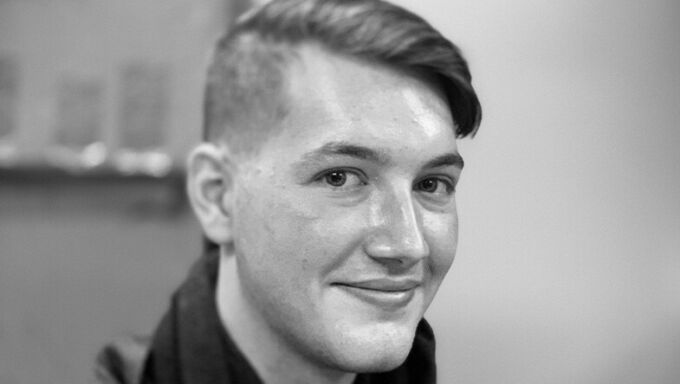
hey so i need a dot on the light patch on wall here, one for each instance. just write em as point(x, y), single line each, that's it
point(144, 94)
point(79, 105)
point(9, 80)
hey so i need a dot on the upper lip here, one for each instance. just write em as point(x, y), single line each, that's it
point(385, 284)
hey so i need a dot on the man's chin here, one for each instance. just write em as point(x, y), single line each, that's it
point(383, 363)
point(376, 351)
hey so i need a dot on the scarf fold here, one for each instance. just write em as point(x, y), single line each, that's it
point(190, 346)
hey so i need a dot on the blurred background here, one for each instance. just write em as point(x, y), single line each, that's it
point(568, 269)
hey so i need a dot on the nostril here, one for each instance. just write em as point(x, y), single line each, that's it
point(400, 250)
point(397, 230)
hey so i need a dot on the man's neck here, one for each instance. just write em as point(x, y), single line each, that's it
point(272, 358)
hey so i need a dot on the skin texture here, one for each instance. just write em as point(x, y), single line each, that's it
point(337, 233)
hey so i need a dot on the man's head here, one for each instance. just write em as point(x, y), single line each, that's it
point(329, 175)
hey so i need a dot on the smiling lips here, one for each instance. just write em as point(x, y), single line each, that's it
point(384, 293)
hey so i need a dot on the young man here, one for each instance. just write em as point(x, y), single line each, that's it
point(327, 181)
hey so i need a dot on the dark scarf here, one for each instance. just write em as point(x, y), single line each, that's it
point(190, 345)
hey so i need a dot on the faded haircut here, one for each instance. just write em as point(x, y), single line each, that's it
point(245, 91)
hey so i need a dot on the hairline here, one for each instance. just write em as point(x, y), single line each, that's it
point(282, 96)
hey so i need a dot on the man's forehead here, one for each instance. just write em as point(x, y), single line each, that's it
point(324, 87)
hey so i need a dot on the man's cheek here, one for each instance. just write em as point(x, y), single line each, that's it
point(341, 228)
point(442, 235)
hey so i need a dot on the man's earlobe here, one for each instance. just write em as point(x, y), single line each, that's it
point(210, 174)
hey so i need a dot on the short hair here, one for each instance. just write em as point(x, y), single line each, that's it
point(247, 76)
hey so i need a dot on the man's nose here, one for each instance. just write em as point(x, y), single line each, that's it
point(397, 236)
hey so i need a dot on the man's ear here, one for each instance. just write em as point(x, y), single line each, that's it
point(210, 176)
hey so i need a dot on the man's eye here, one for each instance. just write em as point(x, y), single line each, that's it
point(336, 178)
point(435, 186)
point(342, 179)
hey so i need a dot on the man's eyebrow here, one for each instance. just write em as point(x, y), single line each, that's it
point(343, 148)
point(453, 159)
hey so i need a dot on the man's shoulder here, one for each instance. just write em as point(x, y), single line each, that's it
point(122, 361)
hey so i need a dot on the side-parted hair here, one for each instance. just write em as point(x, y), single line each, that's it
point(247, 77)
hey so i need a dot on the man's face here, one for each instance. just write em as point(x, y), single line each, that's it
point(345, 221)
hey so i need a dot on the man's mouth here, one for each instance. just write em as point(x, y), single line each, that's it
point(385, 293)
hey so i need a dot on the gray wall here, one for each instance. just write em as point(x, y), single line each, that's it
point(74, 276)
point(84, 262)
point(569, 263)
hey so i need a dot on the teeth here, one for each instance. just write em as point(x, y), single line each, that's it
point(378, 288)
point(383, 288)
point(388, 299)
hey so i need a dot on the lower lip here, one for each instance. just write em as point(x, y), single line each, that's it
point(384, 299)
